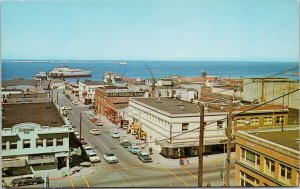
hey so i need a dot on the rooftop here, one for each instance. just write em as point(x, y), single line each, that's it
point(93, 82)
point(286, 138)
point(44, 114)
point(18, 82)
point(170, 105)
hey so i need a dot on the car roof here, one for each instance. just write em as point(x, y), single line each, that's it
point(144, 153)
point(109, 153)
point(95, 130)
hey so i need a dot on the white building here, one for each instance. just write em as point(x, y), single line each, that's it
point(165, 118)
point(35, 139)
point(87, 91)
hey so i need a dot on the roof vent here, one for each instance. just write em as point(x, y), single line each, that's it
point(158, 100)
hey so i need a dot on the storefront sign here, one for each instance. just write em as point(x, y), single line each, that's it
point(26, 130)
point(126, 94)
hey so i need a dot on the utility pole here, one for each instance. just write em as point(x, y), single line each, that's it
point(200, 149)
point(57, 97)
point(282, 116)
point(80, 125)
point(227, 171)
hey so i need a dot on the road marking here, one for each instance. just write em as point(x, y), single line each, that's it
point(71, 181)
point(189, 173)
point(173, 175)
point(86, 182)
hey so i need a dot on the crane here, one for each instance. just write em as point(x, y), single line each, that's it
point(153, 82)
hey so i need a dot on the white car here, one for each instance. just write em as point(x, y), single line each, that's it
point(93, 157)
point(74, 102)
point(87, 147)
point(110, 158)
point(94, 131)
point(66, 108)
point(115, 134)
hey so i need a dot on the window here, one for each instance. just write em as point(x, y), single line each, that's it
point(254, 121)
point(280, 119)
point(269, 166)
point(240, 122)
point(268, 120)
point(13, 145)
point(3, 145)
point(59, 142)
point(185, 127)
point(285, 173)
point(220, 124)
point(250, 157)
point(39, 143)
point(247, 180)
point(49, 142)
point(26, 143)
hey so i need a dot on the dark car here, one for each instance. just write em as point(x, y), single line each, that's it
point(145, 157)
point(27, 181)
point(125, 143)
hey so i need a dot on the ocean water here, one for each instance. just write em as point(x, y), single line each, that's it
point(26, 70)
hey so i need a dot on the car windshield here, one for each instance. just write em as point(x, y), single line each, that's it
point(136, 148)
point(110, 154)
point(93, 155)
point(146, 157)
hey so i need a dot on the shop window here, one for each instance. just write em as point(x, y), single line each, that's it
point(254, 121)
point(49, 142)
point(285, 173)
point(39, 143)
point(220, 124)
point(185, 127)
point(3, 145)
point(269, 166)
point(13, 145)
point(59, 142)
point(247, 180)
point(268, 120)
point(26, 143)
point(280, 120)
point(250, 157)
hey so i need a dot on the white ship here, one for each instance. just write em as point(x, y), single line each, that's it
point(122, 62)
point(65, 71)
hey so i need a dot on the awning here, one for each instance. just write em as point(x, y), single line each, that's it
point(14, 162)
point(38, 159)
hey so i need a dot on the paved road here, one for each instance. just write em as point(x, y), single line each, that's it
point(129, 171)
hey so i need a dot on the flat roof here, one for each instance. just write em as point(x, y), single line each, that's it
point(170, 105)
point(93, 82)
point(286, 138)
point(44, 114)
point(18, 82)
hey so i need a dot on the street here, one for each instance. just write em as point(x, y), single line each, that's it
point(130, 171)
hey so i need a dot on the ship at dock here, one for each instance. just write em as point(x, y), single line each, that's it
point(65, 71)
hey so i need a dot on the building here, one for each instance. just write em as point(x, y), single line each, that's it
point(110, 99)
point(165, 118)
point(87, 91)
point(34, 139)
point(267, 158)
point(264, 90)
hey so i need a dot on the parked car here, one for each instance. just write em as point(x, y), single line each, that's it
point(134, 149)
point(74, 102)
point(94, 131)
point(27, 180)
point(115, 134)
point(110, 158)
point(145, 157)
point(125, 143)
point(66, 108)
point(94, 119)
point(93, 157)
point(87, 147)
point(99, 123)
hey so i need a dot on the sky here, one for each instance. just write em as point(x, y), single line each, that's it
point(242, 30)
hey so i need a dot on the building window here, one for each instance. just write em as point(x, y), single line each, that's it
point(26, 143)
point(268, 120)
point(59, 142)
point(269, 166)
point(39, 143)
point(13, 145)
point(49, 142)
point(3, 145)
point(250, 157)
point(185, 127)
point(247, 180)
point(220, 124)
point(280, 119)
point(285, 173)
point(240, 122)
point(254, 121)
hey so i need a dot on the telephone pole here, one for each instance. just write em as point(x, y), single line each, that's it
point(80, 125)
point(57, 97)
point(227, 171)
point(200, 149)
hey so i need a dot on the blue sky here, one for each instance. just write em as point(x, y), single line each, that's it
point(264, 30)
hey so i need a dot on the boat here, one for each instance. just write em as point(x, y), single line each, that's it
point(122, 62)
point(65, 71)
